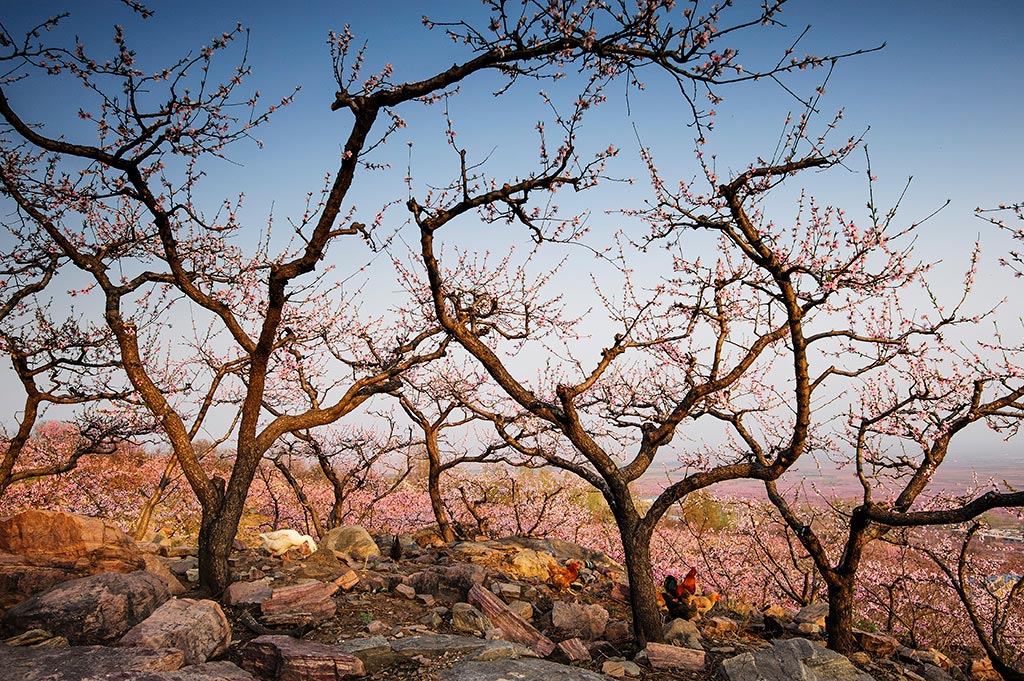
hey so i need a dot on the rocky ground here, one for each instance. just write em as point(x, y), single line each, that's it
point(470, 610)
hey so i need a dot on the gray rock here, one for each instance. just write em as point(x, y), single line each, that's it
point(82, 662)
point(450, 583)
point(520, 670)
point(795, 658)
point(352, 540)
point(436, 645)
point(208, 671)
point(501, 650)
point(375, 652)
point(814, 613)
point(91, 610)
point(468, 619)
point(682, 633)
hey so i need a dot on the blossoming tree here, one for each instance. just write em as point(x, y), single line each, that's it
point(268, 334)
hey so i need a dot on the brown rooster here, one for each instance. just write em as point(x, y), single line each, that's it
point(563, 577)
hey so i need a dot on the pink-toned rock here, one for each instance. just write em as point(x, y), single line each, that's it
point(663, 656)
point(620, 592)
point(156, 567)
point(574, 649)
point(91, 610)
point(513, 627)
point(248, 593)
point(199, 629)
point(39, 549)
point(304, 603)
point(877, 645)
point(282, 658)
point(583, 621)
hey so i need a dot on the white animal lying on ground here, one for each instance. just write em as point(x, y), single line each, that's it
point(279, 542)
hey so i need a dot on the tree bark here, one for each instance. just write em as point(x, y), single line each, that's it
point(444, 527)
point(839, 622)
point(647, 618)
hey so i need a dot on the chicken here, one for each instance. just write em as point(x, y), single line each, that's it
point(701, 604)
point(279, 542)
point(689, 584)
point(563, 577)
point(677, 601)
point(682, 600)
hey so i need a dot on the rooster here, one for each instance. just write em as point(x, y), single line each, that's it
point(563, 577)
point(682, 600)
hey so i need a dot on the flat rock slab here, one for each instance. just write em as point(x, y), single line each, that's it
point(795, 658)
point(282, 658)
point(374, 651)
point(520, 670)
point(436, 645)
point(208, 671)
point(83, 662)
point(91, 610)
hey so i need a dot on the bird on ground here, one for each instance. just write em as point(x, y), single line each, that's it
point(279, 542)
point(563, 577)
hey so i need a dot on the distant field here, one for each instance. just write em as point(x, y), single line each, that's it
point(954, 477)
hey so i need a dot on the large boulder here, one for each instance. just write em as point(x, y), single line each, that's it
point(351, 540)
point(91, 610)
point(524, 669)
point(199, 629)
point(578, 620)
point(39, 549)
point(795, 658)
point(83, 662)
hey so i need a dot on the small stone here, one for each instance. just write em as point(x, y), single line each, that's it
point(521, 608)
point(574, 649)
point(814, 613)
point(431, 619)
point(682, 633)
point(878, 645)
point(468, 619)
point(613, 669)
point(192, 575)
point(719, 626)
point(506, 590)
point(808, 628)
point(376, 627)
point(981, 670)
point(632, 669)
point(861, 658)
point(405, 590)
point(426, 599)
point(618, 631)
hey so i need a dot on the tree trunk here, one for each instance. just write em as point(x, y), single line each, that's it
point(839, 622)
point(444, 527)
point(146, 512)
point(216, 537)
point(647, 617)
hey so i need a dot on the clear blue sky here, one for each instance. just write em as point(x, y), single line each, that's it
point(943, 101)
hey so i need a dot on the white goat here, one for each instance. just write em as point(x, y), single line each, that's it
point(279, 542)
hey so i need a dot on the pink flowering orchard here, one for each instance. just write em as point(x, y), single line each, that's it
point(733, 321)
